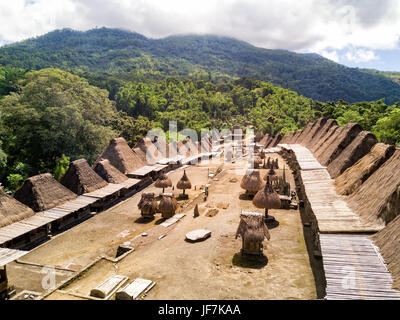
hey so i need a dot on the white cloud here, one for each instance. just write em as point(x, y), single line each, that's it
point(322, 26)
point(361, 55)
point(331, 55)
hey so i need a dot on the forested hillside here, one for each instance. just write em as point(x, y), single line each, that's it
point(50, 116)
point(132, 56)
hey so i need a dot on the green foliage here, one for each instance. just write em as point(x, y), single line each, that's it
point(131, 56)
point(388, 128)
point(54, 113)
point(62, 164)
point(15, 181)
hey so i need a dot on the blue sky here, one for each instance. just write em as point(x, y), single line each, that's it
point(356, 33)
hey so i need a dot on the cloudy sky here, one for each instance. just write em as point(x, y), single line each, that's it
point(362, 33)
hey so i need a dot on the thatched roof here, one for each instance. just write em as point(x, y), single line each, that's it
point(150, 151)
point(251, 181)
point(252, 227)
point(357, 149)
point(168, 205)
point(121, 156)
point(305, 132)
point(308, 138)
point(108, 172)
point(187, 148)
point(142, 156)
point(162, 146)
point(148, 203)
point(287, 137)
point(321, 143)
point(296, 136)
point(267, 197)
point(388, 241)
point(259, 135)
point(354, 176)
point(43, 192)
point(320, 134)
point(274, 142)
point(206, 144)
point(12, 210)
point(266, 140)
point(339, 143)
point(378, 200)
point(184, 182)
point(163, 181)
point(81, 178)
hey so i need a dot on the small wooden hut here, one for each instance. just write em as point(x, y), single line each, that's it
point(253, 231)
point(184, 183)
point(168, 205)
point(148, 205)
point(251, 181)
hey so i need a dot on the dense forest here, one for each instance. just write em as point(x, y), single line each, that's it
point(132, 56)
point(63, 96)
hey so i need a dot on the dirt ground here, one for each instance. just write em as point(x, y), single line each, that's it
point(212, 269)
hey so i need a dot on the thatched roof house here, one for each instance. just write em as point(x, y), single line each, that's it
point(378, 200)
point(150, 151)
point(305, 132)
point(321, 143)
point(336, 146)
point(275, 141)
point(108, 172)
point(43, 192)
point(321, 134)
point(308, 138)
point(187, 148)
point(352, 178)
point(357, 149)
point(81, 178)
point(162, 146)
point(388, 241)
point(265, 140)
point(259, 135)
point(12, 210)
point(121, 156)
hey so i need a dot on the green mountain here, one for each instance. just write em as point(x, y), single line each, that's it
point(133, 56)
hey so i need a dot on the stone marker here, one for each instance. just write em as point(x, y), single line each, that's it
point(198, 235)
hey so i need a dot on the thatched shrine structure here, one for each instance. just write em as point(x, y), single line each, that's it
point(251, 181)
point(163, 182)
point(266, 198)
point(184, 183)
point(253, 231)
point(148, 205)
point(167, 205)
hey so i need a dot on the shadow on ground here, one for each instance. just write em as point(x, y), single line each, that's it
point(249, 261)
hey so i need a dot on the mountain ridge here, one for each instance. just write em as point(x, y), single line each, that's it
point(122, 52)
